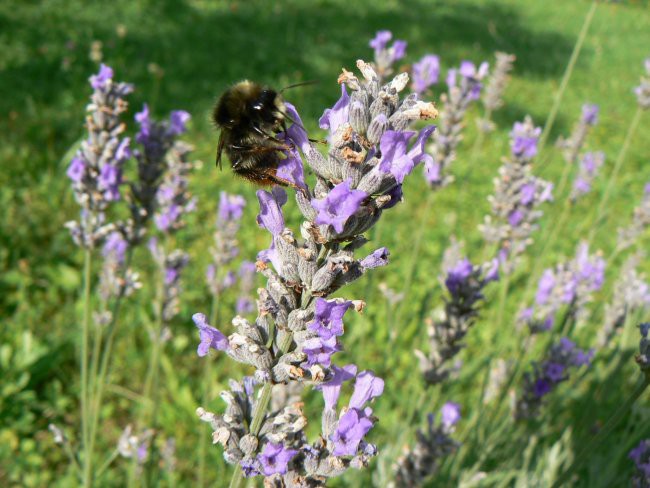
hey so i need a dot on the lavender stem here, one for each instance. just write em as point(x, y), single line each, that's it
point(87, 460)
point(604, 432)
point(567, 74)
point(108, 345)
point(617, 166)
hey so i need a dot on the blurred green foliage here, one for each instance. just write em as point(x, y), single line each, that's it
point(182, 54)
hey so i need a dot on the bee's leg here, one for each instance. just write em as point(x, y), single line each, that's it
point(281, 145)
point(267, 177)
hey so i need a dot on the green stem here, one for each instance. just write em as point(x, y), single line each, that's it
point(85, 419)
point(617, 167)
point(613, 421)
point(100, 381)
point(567, 74)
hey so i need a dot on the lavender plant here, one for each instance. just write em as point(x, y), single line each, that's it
point(464, 283)
point(589, 165)
point(569, 284)
point(464, 87)
point(547, 375)
point(627, 236)
point(96, 170)
point(641, 457)
point(432, 446)
point(492, 97)
point(517, 196)
point(298, 327)
point(631, 294)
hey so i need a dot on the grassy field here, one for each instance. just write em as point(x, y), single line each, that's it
point(181, 55)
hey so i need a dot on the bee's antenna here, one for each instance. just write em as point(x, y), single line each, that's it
point(302, 83)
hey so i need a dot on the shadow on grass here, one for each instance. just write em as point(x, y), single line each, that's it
point(202, 51)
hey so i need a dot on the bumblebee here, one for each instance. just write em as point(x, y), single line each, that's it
point(250, 116)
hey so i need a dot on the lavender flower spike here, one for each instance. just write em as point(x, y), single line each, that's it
point(643, 90)
point(425, 73)
point(96, 169)
point(547, 375)
point(496, 85)
point(464, 283)
point(590, 163)
point(432, 446)
point(641, 457)
point(572, 146)
point(517, 196)
point(385, 56)
point(464, 88)
point(299, 326)
point(627, 236)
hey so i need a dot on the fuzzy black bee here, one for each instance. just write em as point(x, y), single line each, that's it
point(250, 117)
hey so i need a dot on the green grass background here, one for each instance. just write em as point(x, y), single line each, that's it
point(181, 55)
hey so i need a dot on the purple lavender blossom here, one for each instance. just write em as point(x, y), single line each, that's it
point(103, 79)
point(338, 115)
point(376, 259)
point(328, 317)
point(352, 428)
point(426, 73)
point(450, 414)
point(516, 198)
point(211, 338)
point(463, 90)
point(433, 445)
point(524, 140)
point(275, 458)
point(332, 388)
point(590, 114)
point(381, 39)
point(270, 216)
point(338, 206)
point(465, 283)
point(366, 387)
point(457, 275)
point(231, 207)
point(320, 351)
point(385, 56)
point(590, 163)
point(395, 159)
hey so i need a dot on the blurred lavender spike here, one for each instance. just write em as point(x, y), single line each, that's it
point(643, 90)
point(572, 146)
point(627, 236)
point(547, 375)
point(590, 163)
point(517, 196)
point(570, 284)
point(464, 87)
point(464, 283)
point(386, 56)
point(431, 448)
point(631, 294)
point(493, 94)
point(162, 174)
point(641, 457)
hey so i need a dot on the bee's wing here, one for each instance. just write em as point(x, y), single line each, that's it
point(222, 142)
